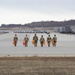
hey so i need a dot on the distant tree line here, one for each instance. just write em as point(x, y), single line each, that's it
point(42, 24)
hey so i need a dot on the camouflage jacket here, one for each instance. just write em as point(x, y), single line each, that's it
point(55, 39)
point(48, 39)
point(26, 39)
point(15, 38)
point(42, 39)
point(35, 38)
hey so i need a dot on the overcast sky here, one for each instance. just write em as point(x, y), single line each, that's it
point(27, 11)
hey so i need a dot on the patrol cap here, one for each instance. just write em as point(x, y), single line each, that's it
point(15, 34)
point(42, 35)
point(54, 34)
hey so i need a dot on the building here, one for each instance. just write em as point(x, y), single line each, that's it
point(66, 30)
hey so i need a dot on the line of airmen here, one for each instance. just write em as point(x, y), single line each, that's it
point(35, 39)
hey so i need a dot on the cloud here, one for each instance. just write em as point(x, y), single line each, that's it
point(24, 11)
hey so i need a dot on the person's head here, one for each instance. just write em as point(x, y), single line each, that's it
point(41, 35)
point(26, 35)
point(15, 34)
point(54, 34)
point(49, 35)
point(35, 34)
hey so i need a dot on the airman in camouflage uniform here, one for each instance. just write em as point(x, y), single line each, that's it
point(35, 38)
point(15, 40)
point(48, 40)
point(42, 40)
point(55, 40)
point(26, 39)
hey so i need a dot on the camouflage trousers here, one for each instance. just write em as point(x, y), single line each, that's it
point(41, 44)
point(48, 44)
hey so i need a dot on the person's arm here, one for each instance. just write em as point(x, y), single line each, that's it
point(44, 39)
point(40, 39)
point(50, 39)
point(56, 39)
point(37, 38)
point(17, 38)
point(28, 39)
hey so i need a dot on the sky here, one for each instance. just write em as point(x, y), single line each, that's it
point(27, 11)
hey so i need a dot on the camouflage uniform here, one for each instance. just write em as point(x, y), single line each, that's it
point(15, 40)
point(55, 40)
point(48, 40)
point(42, 41)
point(26, 39)
point(35, 38)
